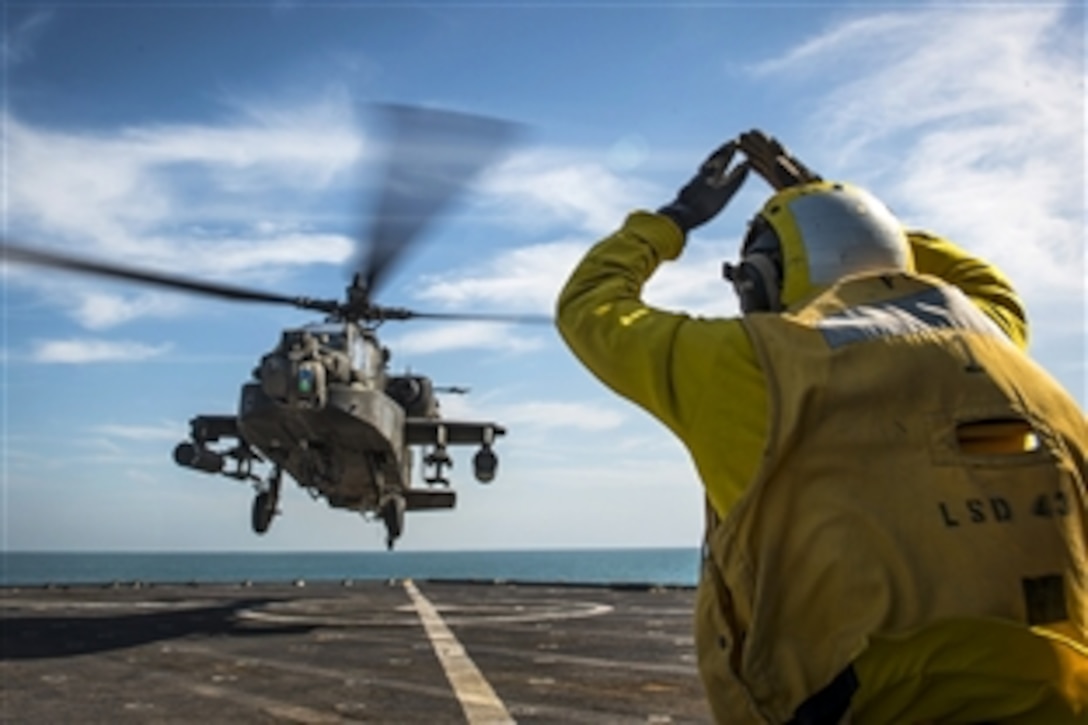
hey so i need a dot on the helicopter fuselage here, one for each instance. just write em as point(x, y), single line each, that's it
point(350, 450)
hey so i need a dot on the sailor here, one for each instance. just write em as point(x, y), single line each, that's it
point(896, 492)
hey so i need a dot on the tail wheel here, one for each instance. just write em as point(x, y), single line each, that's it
point(264, 508)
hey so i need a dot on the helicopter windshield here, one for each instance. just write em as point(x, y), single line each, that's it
point(330, 337)
point(360, 349)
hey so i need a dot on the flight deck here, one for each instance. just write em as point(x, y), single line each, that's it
point(396, 651)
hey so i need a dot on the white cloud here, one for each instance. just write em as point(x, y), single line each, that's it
point(812, 56)
point(205, 202)
point(565, 415)
point(79, 351)
point(319, 139)
point(461, 336)
point(284, 249)
point(100, 310)
point(165, 431)
point(544, 188)
point(116, 191)
point(529, 278)
point(525, 279)
point(538, 414)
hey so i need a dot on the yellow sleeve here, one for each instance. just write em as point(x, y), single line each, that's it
point(697, 376)
point(983, 283)
point(600, 314)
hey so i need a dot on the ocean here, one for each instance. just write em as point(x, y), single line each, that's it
point(664, 567)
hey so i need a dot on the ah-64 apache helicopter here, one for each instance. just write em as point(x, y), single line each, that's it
point(323, 406)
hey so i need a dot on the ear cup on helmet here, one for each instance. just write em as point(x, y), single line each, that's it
point(757, 283)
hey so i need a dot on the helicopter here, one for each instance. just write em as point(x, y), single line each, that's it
point(323, 406)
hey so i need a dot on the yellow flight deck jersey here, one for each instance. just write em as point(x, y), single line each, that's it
point(899, 491)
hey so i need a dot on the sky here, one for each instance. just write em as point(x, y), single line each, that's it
point(231, 143)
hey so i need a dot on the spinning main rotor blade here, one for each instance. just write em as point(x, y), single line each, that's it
point(431, 156)
point(37, 257)
point(25, 255)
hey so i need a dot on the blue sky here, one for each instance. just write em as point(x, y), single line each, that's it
point(227, 143)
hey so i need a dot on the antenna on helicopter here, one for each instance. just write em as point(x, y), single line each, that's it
point(452, 389)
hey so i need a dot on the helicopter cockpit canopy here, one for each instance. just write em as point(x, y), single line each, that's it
point(329, 338)
point(329, 335)
point(310, 357)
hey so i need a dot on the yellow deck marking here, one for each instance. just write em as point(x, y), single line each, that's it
point(478, 701)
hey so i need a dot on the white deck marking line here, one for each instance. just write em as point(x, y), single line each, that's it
point(478, 700)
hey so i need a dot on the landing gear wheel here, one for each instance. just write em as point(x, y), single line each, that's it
point(264, 508)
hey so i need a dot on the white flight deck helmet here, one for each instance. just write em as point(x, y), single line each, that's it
point(809, 236)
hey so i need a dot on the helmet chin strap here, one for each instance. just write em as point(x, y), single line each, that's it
point(756, 282)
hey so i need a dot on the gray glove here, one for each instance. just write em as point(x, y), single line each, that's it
point(709, 191)
point(773, 162)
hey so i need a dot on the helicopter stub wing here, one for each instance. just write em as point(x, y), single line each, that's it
point(441, 433)
point(438, 431)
